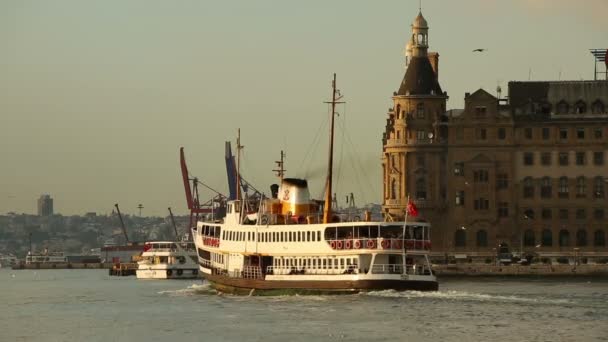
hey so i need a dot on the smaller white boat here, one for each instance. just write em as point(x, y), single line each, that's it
point(7, 261)
point(168, 260)
point(45, 257)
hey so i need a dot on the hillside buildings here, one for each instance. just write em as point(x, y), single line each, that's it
point(45, 205)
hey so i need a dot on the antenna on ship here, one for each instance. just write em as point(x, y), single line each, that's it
point(280, 170)
point(239, 147)
point(174, 226)
point(328, 194)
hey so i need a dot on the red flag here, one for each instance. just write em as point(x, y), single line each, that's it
point(606, 58)
point(411, 209)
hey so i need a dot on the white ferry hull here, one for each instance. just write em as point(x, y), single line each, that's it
point(167, 273)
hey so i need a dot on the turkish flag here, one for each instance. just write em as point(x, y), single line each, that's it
point(606, 58)
point(411, 209)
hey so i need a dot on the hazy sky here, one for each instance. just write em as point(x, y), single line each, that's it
point(96, 97)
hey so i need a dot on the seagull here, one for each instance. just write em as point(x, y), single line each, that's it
point(479, 50)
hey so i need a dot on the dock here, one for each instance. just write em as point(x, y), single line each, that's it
point(61, 265)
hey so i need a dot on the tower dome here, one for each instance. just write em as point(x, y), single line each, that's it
point(420, 22)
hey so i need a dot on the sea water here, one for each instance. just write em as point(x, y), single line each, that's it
point(89, 305)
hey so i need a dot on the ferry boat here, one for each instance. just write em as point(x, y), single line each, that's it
point(291, 244)
point(7, 261)
point(167, 260)
point(45, 257)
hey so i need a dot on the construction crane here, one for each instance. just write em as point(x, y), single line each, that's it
point(174, 226)
point(122, 223)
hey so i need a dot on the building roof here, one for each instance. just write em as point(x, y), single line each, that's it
point(420, 79)
point(522, 93)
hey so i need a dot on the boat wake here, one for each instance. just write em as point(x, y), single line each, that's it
point(194, 289)
point(465, 296)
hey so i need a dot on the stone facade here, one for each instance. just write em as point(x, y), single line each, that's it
point(527, 173)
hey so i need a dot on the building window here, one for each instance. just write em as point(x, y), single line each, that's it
point(546, 133)
point(580, 133)
point(528, 187)
point(598, 187)
point(529, 214)
point(459, 198)
point(581, 238)
point(581, 187)
point(563, 107)
point(480, 176)
point(421, 135)
point(563, 133)
point(529, 238)
point(597, 133)
point(580, 158)
point(580, 107)
point(420, 111)
point(421, 189)
point(563, 158)
point(502, 181)
point(480, 112)
point(564, 238)
point(597, 107)
point(563, 187)
point(528, 158)
point(458, 169)
point(599, 238)
point(528, 133)
point(482, 238)
point(598, 214)
point(460, 238)
point(480, 134)
point(547, 238)
point(598, 158)
point(503, 209)
point(545, 158)
point(481, 204)
point(581, 214)
point(502, 133)
point(546, 213)
point(563, 214)
point(545, 187)
point(394, 189)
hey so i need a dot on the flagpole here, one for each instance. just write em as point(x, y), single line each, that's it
point(403, 234)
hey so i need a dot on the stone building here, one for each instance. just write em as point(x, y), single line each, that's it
point(527, 173)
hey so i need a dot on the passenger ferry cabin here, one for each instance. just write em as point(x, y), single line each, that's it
point(275, 249)
point(167, 260)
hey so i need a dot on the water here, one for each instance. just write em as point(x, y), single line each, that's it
point(88, 305)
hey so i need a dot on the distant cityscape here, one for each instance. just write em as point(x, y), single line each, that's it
point(78, 234)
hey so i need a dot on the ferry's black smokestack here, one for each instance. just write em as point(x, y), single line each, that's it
point(274, 190)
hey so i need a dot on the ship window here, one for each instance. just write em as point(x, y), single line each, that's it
point(318, 235)
point(307, 236)
point(341, 263)
point(324, 263)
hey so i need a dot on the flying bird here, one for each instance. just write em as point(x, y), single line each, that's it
point(479, 50)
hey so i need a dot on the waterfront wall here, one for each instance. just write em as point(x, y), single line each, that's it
point(521, 270)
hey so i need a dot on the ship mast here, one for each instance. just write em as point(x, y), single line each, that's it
point(328, 191)
point(280, 167)
point(239, 147)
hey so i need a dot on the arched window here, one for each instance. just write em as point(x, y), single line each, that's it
point(545, 187)
point(421, 189)
point(564, 238)
point(482, 238)
point(393, 188)
point(581, 187)
point(599, 238)
point(597, 107)
point(580, 107)
point(563, 187)
point(598, 187)
point(529, 238)
point(398, 110)
point(563, 107)
point(420, 111)
point(460, 238)
point(528, 187)
point(581, 238)
point(547, 238)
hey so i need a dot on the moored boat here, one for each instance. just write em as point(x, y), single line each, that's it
point(167, 260)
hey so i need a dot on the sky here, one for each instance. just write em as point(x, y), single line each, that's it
point(97, 97)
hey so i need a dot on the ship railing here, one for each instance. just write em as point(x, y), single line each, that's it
point(205, 263)
point(252, 272)
point(387, 269)
point(211, 241)
point(379, 243)
point(302, 270)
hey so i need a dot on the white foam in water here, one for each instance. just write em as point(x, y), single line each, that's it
point(190, 290)
point(463, 295)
